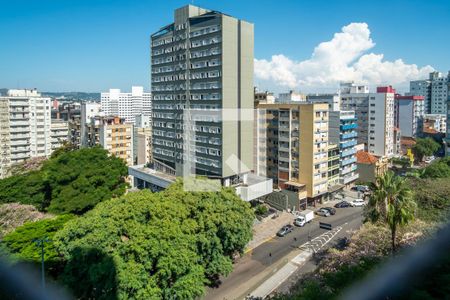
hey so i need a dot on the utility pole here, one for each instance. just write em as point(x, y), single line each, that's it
point(41, 243)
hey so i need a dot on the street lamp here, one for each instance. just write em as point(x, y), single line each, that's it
point(41, 243)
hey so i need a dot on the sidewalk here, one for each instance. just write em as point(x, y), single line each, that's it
point(267, 229)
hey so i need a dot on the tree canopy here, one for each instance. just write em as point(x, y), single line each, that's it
point(73, 181)
point(438, 169)
point(425, 147)
point(21, 245)
point(165, 245)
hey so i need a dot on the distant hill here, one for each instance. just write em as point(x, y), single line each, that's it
point(67, 95)
point(73, 95)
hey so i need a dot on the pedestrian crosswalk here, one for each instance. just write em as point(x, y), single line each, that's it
point(318, 242)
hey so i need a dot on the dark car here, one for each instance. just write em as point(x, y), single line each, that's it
point(342, 204)
point(285, 230)
point(331, 210)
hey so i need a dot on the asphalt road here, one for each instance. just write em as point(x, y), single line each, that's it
point(256, 265)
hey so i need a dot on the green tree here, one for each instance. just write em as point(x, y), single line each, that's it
point(391, 202)
point(21, 246)
point(73, 181)
point(438, 169)
point(165, 245)
point(425, 147)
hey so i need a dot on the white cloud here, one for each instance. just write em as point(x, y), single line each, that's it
point(343, 58)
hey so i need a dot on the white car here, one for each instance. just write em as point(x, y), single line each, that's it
point(357, 202)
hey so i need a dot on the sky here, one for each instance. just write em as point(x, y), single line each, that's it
point(94, 45)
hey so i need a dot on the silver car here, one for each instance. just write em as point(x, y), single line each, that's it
point(323, 212)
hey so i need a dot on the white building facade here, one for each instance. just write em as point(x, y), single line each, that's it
point(89, 110)
point(375, 116)
point(127, 105)
point(25, 126)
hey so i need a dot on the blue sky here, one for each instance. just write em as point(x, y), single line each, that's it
point(92, 45)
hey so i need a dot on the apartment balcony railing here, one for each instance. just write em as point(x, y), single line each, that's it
point(349, 135)
point(349, 126)
point(348, 152)
point(348, 144)
point(348, 161)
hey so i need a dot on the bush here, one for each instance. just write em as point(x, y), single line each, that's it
point(261, 210)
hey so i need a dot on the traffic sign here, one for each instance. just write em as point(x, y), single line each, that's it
point(325, 226)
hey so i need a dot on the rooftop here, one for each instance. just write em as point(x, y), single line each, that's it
point(363, 157)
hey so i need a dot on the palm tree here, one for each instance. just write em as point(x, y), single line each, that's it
point(391, 202)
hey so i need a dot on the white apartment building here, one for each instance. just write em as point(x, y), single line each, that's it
point(29, 125)
point(127, 105)
point(381, 122)
point(291, 96)
point(375, 116)
point(59, 133)
point(5, 142)
point(89, 110)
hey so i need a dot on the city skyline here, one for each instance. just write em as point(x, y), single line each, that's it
point(108, 41)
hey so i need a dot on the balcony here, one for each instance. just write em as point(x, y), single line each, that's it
point(348, 179)
point(348, 161)
point(348, 126)
point(349, 135)
point(348, 152)
point(348, 144)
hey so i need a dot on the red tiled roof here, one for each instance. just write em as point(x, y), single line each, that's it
point(363, 157)
point(408, 141)
point(429, 130)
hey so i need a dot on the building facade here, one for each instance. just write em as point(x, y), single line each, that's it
point(333, 100)
point(89, 110)
point(439, 93)
point(333, 166)
point(143, 144)
point(356, 98)
point(293, 148)
point(375, 116)
point(127, 105)
point(422, 88)
point(343, 132)
point(29, 119)
point(5, 139)
point(116, 136)
point(59, 133)
point(409, 113)
point(203, 62)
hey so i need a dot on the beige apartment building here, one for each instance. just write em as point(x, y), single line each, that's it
point(292, 148)
point(144, 145)
point(116, 136)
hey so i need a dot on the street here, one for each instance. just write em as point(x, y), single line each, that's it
point(255, 266)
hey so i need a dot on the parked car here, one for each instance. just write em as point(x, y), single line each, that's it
point(304, 217)
point(429, 159)
point(361, 188)
point(331, 210)
point(323, 212)
point(285, 230)
point(357, 203)
point(342, 204)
